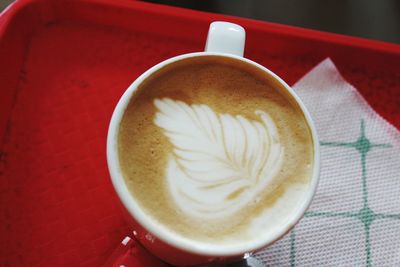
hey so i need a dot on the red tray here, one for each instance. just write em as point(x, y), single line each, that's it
point(64, 65)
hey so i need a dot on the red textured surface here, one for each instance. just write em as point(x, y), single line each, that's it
point(64, 66)
point(132, 254)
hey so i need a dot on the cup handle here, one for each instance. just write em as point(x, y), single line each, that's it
point(225, 37)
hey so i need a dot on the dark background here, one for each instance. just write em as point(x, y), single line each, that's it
point(373, 19)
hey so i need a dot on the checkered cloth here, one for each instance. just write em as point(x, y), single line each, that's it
point(354, 219)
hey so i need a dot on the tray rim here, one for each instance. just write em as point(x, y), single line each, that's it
point(9, 13)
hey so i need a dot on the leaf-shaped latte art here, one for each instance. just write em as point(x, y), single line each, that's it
point(220, 162)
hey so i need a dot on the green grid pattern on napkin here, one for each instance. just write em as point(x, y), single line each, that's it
point(366, 215)
point(354, 219)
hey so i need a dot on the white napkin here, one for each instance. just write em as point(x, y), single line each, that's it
point(354, 219)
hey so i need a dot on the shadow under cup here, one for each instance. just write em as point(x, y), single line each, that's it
point(227, 98)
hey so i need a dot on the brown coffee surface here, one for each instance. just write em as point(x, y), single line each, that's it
point(226, 86)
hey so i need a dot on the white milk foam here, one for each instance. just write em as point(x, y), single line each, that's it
point(220, 163)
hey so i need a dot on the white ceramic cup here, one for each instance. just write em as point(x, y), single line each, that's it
point(224, 39)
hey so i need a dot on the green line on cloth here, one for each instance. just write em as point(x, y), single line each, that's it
point(363, 145)
point(364, 179)
point(365, 214)
point(367, 246)
point(387, 216)
point(330, 214)
point(339, 144)
point(292, 248)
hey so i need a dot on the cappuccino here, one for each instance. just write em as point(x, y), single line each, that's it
point(215, 150)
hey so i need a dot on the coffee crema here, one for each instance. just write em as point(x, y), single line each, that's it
point(215, 149)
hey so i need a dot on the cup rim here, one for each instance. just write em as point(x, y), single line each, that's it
point(162, 232)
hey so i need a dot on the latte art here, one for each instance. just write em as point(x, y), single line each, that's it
point(220, 163)
point(214, 150)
